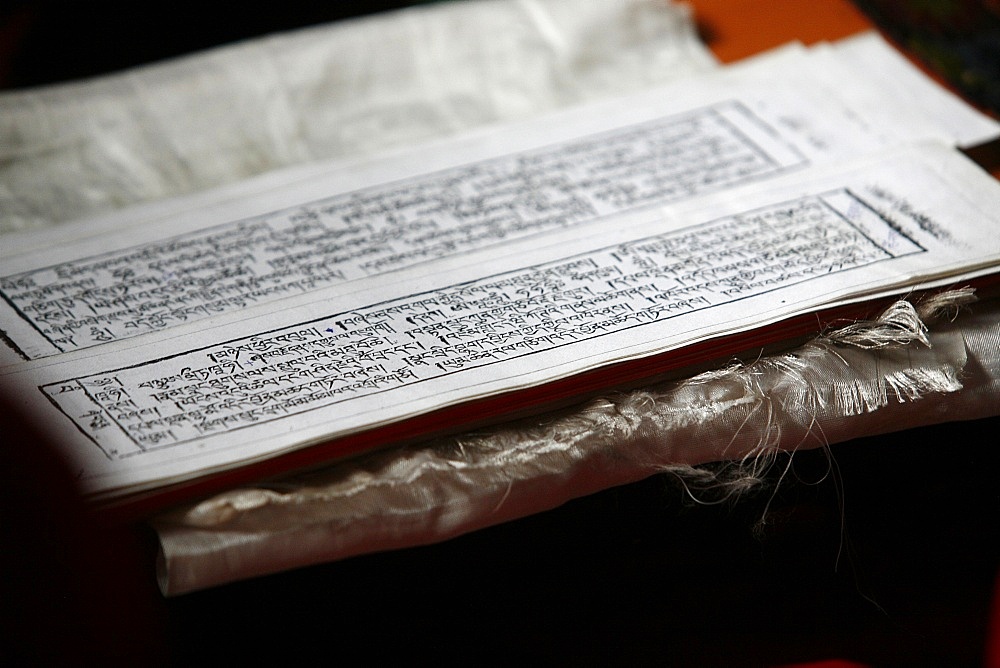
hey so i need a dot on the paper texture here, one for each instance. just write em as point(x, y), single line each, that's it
point(250, 386)
point(290, 235)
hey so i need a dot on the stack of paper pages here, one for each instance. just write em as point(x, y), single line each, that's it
point(307, 316)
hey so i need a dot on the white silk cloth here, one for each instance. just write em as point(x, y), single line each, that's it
point(827, 391)
point(341, 90)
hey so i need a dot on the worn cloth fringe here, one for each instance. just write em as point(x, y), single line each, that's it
point(916, 364)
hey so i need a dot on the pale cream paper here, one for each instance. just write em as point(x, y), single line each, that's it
point(794, 108)
point(246, 388)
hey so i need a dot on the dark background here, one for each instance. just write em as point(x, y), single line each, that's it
point(56, 40)
point(890, 558)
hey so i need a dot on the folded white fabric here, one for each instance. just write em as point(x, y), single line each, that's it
point(854, 382)
point(345, 89)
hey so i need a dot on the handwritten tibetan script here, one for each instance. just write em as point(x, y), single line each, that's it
point(94, 300)
point(392, 345)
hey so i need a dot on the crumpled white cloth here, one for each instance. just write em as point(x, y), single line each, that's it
point(339, 90)
point(830, 390)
